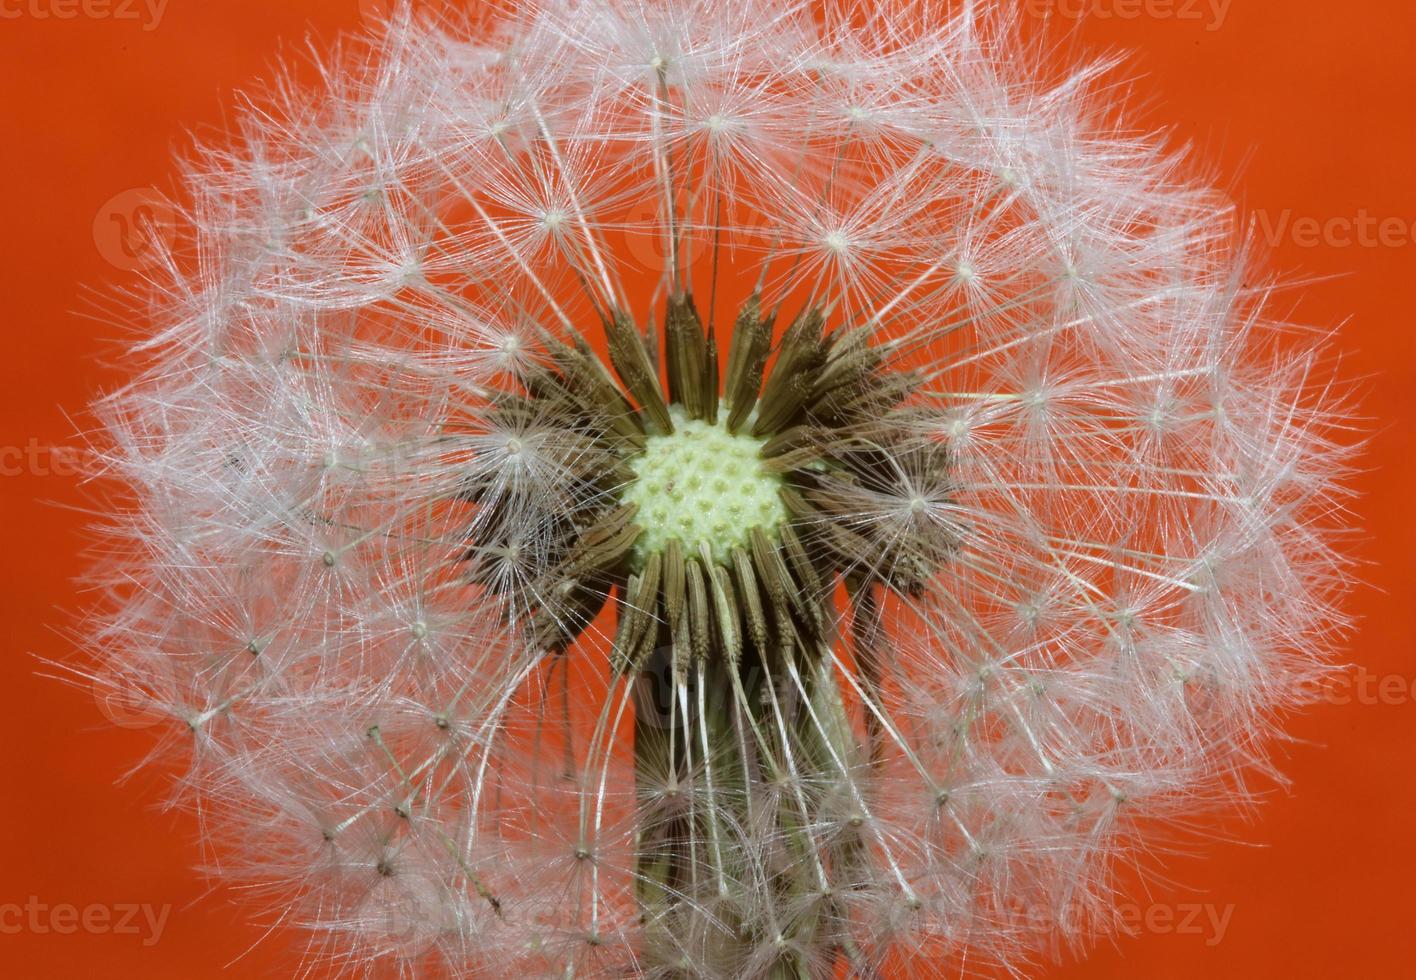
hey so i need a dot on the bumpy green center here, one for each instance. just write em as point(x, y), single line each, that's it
point(702, 485)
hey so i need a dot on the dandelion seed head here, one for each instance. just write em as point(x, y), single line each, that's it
point(726, 489)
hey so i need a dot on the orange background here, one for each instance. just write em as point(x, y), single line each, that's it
point(1306, 107)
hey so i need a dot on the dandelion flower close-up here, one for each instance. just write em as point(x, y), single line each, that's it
point(710, 488)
